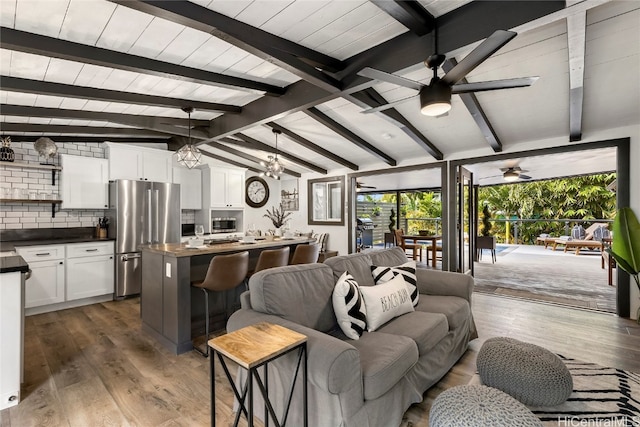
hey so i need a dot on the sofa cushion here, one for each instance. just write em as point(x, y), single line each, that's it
point(359, 265)
point(407, 271)
point(388, 257)
point(386, 301)
point(299, 293)
point(456, 309)
point(426, 329)
point(349, 307)
point(384, 360)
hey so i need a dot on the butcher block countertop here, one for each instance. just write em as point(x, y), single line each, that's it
point(180, 250)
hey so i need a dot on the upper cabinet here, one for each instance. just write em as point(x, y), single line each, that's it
point(84, 183)
point(139, 163)
point(190, 181)
point(223, 188)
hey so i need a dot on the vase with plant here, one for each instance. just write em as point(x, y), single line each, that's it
point(278, 216)
point(625, 248)
point(486, 241)
point(376, 210)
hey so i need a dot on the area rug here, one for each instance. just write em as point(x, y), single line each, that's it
point(601, 396)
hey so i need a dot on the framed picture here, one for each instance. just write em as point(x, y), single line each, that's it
point(289, 194)
point(326, 201)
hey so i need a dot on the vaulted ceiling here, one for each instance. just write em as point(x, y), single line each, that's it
point(122, 70)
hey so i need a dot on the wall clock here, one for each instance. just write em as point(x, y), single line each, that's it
point(256, 192)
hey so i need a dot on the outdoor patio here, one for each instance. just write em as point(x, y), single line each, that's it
point(536, 273)
point(543, 274)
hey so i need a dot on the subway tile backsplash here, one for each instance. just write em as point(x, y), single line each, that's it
point(23, 215)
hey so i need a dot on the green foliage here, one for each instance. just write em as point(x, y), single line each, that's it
point(486, 223)
point(625, 248)
point(584, 197)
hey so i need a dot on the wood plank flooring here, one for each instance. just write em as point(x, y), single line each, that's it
point(93, 366)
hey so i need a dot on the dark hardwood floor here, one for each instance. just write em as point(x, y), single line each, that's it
point(93, 366)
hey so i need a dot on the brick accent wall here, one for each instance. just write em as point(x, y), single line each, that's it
point(23, 215)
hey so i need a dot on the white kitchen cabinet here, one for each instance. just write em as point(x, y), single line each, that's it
point(190, 181)
point(223, 188)
point(90, 270)
point(46, 285)
point(139, 163)
point(84, 182)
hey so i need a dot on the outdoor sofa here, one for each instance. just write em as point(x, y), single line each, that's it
point(369, 382)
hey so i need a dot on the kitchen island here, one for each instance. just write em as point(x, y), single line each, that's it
point(168, 311)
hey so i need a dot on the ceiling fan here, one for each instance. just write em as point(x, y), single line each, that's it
point(435, 98)
point(511, 174)
point(360, 186)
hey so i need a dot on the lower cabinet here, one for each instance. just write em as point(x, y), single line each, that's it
point(61, 273)
point(46, 284)
point(89, 276)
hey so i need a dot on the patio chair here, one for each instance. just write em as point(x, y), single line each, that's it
point(415, 248)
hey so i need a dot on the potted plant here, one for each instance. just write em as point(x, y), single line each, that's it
point(376, 210)
point(278, 217)
point(625, 248)
point(486, 240)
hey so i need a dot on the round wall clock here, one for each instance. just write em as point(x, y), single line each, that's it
point(257, 192)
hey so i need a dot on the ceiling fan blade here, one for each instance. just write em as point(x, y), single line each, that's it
point(492, 176)
point(524, 176)
point(389, 78)
point(493, 85)
point(387, 106)
point(478, 55)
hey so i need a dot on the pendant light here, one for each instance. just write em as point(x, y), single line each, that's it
point(188, 154)
point(273, 165)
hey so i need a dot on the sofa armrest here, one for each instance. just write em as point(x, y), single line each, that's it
point(334, 365)
point(435, 282)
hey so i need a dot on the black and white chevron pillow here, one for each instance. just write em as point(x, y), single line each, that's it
point(408, 273)
point(348, 306)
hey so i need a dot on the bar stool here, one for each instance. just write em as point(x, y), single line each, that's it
point(225, 272)
point(305, 254)
point(272, 258)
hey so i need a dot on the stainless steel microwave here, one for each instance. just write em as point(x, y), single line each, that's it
point(223, 225)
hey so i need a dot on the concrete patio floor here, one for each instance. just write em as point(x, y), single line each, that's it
point(533, 272)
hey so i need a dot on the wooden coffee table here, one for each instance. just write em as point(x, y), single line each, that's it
point(252, 347)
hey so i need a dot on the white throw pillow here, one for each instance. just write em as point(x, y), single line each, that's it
point(407, 271)
point(349, 307)
point(385, 301)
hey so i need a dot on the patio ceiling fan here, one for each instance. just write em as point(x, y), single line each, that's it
point(435, 98)
point(360, 186)
point(511, 174)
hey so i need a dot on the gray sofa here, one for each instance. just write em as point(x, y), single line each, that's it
point(366, 382)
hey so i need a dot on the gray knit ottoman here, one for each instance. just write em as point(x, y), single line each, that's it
point(479, 406)
point(531, 374)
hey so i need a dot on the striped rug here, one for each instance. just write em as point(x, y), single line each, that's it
point(602, 397)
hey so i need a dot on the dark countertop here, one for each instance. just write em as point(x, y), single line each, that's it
point(10, 264)
point(9, 239)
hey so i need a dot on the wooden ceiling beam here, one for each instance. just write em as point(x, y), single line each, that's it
point(229, 161)
point(313, 147)
point(295, 58)
point(64, 129)
point(470, 101)
point(370, 98)
point(327, 121)
point(249, 142)
point(22, 41)
point(38, 87)
point(246, 156)
point(409, 13)
point(94, 139)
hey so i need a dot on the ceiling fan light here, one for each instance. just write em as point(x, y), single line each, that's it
point(511, 176)
point(435, 99)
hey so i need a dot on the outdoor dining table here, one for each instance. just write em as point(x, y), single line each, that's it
point(433, 240)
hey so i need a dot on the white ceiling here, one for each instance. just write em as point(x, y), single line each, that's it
point(340, 29)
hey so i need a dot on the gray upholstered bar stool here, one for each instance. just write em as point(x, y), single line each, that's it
point(272, 258)
point(305, 254)
point(225, 272)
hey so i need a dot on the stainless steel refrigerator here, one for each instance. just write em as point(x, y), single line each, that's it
point(140, 213)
